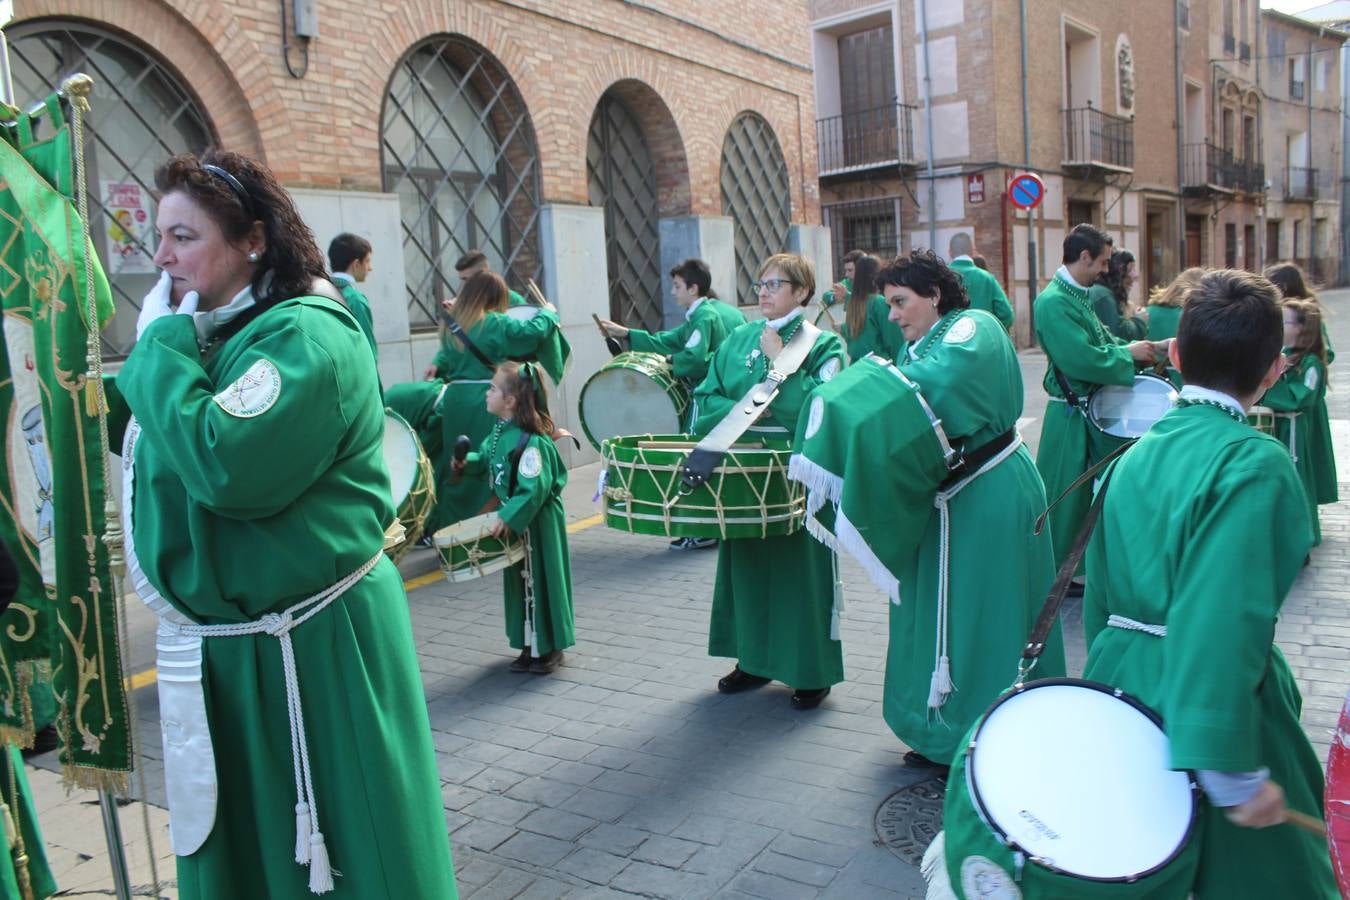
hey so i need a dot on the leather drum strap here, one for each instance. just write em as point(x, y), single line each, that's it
point(707, 453)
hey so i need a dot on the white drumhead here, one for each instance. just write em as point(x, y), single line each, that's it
point(469, 529)
point(1080, 778)
point(619, 402)
point(1128, 412)
point(400, 457)
point(524, 313)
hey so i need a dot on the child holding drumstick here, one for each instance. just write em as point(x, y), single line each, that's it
point(527, 477)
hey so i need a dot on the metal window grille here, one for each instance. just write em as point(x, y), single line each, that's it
point(621, 177)
point(458, 148)
point(142, 114)
point(755, 193)
point(872, 226)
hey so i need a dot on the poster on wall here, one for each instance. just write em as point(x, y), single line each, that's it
point(130, 240)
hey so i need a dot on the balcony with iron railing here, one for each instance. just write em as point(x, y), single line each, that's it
point(1302, 183)
point(866, 139)
point(1207, 168)
point(1095, 139)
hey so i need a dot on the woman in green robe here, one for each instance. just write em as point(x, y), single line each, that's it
point(1110, 298)
point(997, 572)
point(867, 327)
point(480, 313)
point(527, 476)
point(256, 499)
point(1165, 303)
point(1300, 405)
point(1293, 285)
point(774, 597)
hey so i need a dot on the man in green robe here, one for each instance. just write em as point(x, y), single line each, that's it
point(982, 287)
point(1081, 355)
point(349, 260)
point(1202, 532)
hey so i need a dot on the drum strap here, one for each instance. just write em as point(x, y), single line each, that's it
point(458, 331)
point(513, 460)
point(1069, 395)
point(707, 453)
point(971, 461)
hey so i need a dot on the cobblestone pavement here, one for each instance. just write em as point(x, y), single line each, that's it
point(626, 773)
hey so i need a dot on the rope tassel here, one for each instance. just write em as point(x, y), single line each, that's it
point(320, 870)
point(940, 687)
point(302, 833)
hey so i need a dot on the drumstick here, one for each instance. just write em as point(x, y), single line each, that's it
point(536, 295)
point(461, 451)
point(1307, 823)
point(615, 348)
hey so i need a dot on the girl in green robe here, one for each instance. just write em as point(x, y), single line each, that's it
point(867, 327)
point(1300, 405)
point(254, 481)
point(983, 606)
point(774, 597)
point(480, 311)
point(527, 476)
point(1110, 298)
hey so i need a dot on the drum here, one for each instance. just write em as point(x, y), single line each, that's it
point(468, 550)
point(411, 481)
point(830, 318)
point(881, 488)
point(747, 496)
point(633, 393)
point(1064, 792)
point(1129, 411)
point(1262, 418)
point(523, 313)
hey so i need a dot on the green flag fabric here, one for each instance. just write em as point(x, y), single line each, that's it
point(65, 621)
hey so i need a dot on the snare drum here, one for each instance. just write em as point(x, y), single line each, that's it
point(411, 481)
point(1129, 411)
point(468, 550)
point(1262, 418)
point(633, 393)
point(553, 353)
point(1064, 792)
point(747, 496)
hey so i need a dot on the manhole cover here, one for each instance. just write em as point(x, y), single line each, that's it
point(908, 820)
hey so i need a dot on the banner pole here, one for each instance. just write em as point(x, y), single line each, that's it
point(117, 856)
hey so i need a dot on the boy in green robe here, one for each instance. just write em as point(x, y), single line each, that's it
point(527, 477)
point(1081, 354)
point(1202, 532)
point(349, 259)
point(774, 598)
point(981, 287)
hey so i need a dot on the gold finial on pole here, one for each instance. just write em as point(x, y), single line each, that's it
point(78, 87)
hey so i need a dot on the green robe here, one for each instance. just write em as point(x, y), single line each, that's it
point(998, 570)
point(24, 814)
point(235, 517)
point(463, 411)
point(984, 291)
point(1075, 340)
point(773, 597)
point(1133, 328)
point(879, 335)
point(418, 403)
point(536, 507)
point(690, 355)
point(1163, 322)
point(1302, 390)
point(552, 353)
point(360, 309)
point(1203, 530)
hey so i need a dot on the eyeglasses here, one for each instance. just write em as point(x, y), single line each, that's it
point(772, 285)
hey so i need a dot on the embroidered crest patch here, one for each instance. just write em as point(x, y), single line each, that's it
point(530, 463)
point(1310, 380)
point(815, 416)
point(829, 369)
point(253, 393)
point(695, 339)
point(980, 877)
point(962, 330)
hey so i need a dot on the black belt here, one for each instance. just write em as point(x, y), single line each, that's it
point(971, 461)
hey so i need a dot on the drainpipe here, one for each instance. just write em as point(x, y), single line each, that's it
point(1026, 161)
point(928, 127)
point(1182, 261)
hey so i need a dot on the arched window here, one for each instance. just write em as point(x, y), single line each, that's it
point(141, 115)
point(755, 193)
point(458, 148)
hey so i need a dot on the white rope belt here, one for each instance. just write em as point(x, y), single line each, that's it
point(1293, 432)
point(1127, 624)
point(310, 849)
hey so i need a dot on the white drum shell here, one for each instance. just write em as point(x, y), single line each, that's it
point(1129, 411)
point(400, 458)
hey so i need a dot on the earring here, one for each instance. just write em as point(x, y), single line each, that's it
point(254, 256)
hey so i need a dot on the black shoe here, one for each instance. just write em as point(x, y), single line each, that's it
point(522, 662)
point(44, 741)
point(916, 760)
point(548, 663)
point(426, 541)
point(691, 543)
point(808, 699)
point(737, 681)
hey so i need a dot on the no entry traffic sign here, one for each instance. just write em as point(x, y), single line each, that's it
point(1026, 191)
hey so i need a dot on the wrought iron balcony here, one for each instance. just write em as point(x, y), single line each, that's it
point(1096, 139)
point(1301, 183)
point(1210, 169)
point(866, 139)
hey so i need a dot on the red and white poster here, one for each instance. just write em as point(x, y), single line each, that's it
point(128, 229)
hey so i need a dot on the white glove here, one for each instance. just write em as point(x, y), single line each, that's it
point(156, 304)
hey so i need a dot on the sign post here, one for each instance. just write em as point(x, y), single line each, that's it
point(1026, 191)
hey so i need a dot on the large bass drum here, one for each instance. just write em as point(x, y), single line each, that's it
point(633, 393)
point(411, 481)
point(1128, 411)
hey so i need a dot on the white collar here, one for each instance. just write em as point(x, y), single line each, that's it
point(211, 321)
point(1064, 273)
point(1196, 392)
point(689, 313)
point(966, 256)
point(777, 324)
point(343, 276)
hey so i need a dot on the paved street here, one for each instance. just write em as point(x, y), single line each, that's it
point(627, 774)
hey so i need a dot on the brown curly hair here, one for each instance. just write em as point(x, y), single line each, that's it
point(290, 252)
point(924, 273)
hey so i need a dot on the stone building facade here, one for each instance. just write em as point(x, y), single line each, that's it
point(587, 146)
